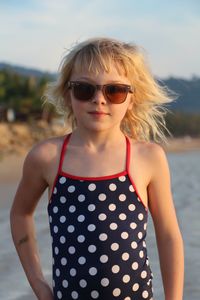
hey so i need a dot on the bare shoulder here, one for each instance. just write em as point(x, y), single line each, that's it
point(43, 155)
point(150, 155)
point(148, 150)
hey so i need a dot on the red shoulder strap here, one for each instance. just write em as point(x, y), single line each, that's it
point(128, 154)
point(63, 151)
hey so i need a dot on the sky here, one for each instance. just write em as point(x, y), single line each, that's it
point(37, 33)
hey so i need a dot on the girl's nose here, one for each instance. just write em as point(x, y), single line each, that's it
point(99, 97)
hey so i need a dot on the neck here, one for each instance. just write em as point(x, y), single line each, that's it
point(97, 140)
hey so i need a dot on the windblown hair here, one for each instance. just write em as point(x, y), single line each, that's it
point(146, 119)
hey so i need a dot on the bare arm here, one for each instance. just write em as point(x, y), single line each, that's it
point(169, 240)
point(30, 189)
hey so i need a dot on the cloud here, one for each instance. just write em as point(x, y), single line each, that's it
point(36, 34)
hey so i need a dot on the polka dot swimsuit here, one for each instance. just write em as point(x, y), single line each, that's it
point(98, 228)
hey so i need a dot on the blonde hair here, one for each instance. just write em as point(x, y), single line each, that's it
point(145, 121)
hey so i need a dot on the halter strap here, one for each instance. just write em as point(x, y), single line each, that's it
point(64, 147)
point(63, 150)
point(128, 154)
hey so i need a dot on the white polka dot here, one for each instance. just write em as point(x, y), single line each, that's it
point(92, 248)
point(57, 272)
point(56, 250)
point(91, 227)
point(83, 283)
point(127, 298)
point(65, 283)
point(94, 294)
point(102, 197)
point(115, 269)
point(144, 244)
point(81, 218)
point(62, 219)
point(71, 250)
point(122, 197)
point(145, 294)
point(135, 266)
point(103, 237)
point(113, 226)
point(116, 292)
point(103, 258)
point(71, 189)
point(104, 282)
point(93, 271)
point(141, 254)
point(59, 294)
point(131, 188)
point(102, 217)
point(50, 219)
point(143, 274)
point(112, 207)
point(140, 217)
point(72, 208)
point(112, 187)
point(72, 272)
point(62, 180)
point(134, 245)
point(81, 238)
point(147, 262)
point(122, 178)
point(63, 199)
point(114, 246)
point(91, 187)
point(126, 278)
point(81, 260)
point(122, 217)
point(53, 283)
point(133, 225)
point(55, 229)
point(145, 226)
point(124, 235)
point(62, 239)
point(55, 209)
point(135, 287)
point(140, 235)
point(55, 190)
point(125, 256)
point(131, 207)
point(74, 295)
point(70, 228)
point(63, 261)
point(91, 207)
point(81, 198)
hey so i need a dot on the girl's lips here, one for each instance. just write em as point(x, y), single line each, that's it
point(98, 113)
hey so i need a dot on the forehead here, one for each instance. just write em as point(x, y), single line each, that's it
point(96, 60)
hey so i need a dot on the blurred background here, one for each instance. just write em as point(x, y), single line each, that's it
point(34, 36)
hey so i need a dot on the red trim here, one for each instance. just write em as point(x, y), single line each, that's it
point(128, 148)
point(62, 155)
point(136, 191)
point(128, 171)
point(123, 173)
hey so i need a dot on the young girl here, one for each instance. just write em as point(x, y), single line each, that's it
point(102, 179)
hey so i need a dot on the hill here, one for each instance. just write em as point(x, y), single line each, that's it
point(187, 90)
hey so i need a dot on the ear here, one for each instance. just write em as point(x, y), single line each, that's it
point(130, 106)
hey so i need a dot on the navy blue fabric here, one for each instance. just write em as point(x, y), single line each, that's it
point(98, 229)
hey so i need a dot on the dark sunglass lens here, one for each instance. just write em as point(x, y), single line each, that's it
point(83, 91)
point(116, 93)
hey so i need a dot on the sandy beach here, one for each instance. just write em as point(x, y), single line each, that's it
point(184, 160)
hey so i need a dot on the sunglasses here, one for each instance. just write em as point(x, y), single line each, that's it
point(83, 91)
